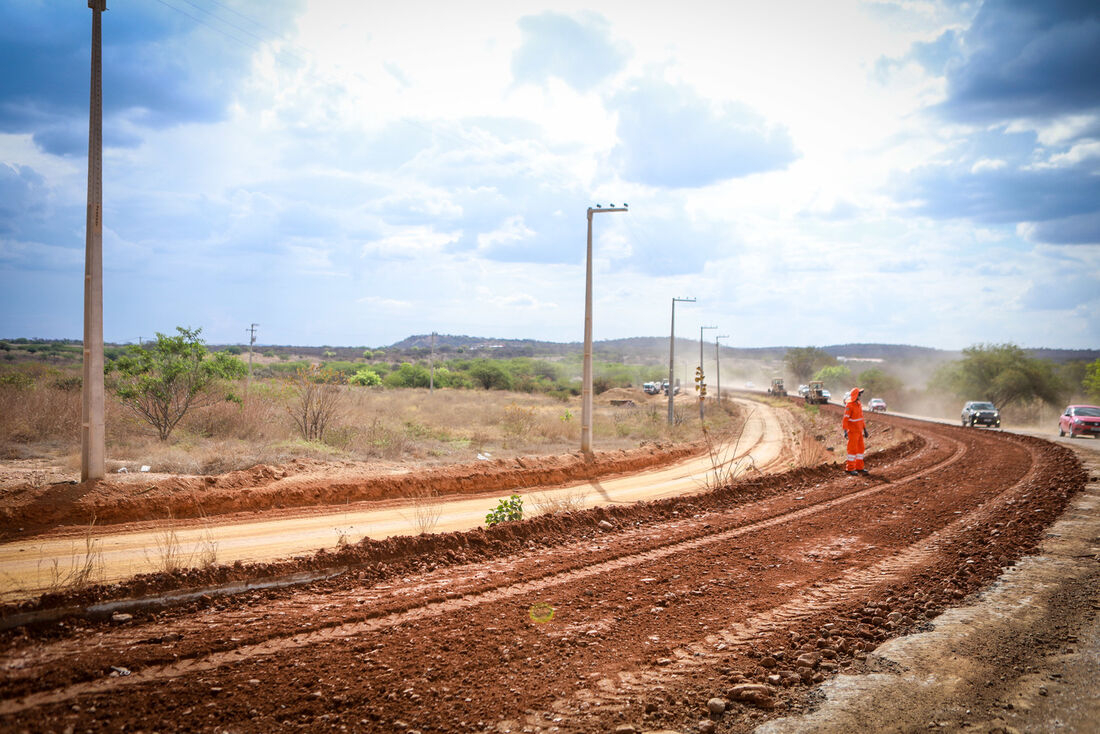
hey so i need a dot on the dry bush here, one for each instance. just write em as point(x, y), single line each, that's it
point(427, 507)
point(518, 421)
point(39, 413)
point(168, 556)
point(722, 450)
point(811, 452)
point(551, 502)
point(84, 568)
point(253, 419)
point(316, 398)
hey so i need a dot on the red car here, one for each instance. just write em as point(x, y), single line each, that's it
point(1080, 420)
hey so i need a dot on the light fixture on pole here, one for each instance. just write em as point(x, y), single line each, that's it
point(586, 379)
point(718, 365)
point(93, 440)
point(702, 377)
point(672, 354)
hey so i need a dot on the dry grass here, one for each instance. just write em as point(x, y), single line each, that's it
point(39, 413)
point(723, 447)
point(427, 507)
point(167, 554)
point(84, 568)
point(811, 452)
point(552, 502)
point(408, 425)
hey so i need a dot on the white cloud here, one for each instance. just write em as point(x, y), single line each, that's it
point(371, 160)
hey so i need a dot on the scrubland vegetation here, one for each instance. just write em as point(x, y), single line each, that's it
point(501, 408)
point(336, 406)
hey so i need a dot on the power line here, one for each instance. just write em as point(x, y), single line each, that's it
point(200, 21)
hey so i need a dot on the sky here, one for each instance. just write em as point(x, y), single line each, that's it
point(341, 172)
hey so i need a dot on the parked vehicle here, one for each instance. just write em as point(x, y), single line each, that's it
point(1080, 420)
point(981, 413)
point(816, 394)
point(652, 388)
point(877, 405)
point(802, 390)
point(675, 388)
point(826, 394)
point(749, 385)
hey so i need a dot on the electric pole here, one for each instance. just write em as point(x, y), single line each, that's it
point(718, 365)
point(586, 378)
point(672, 355)
point(93, 446)
point(251, 340)
point(702, 378)
point(431, 375)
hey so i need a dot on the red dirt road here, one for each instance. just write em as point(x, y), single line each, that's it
point(750, 593)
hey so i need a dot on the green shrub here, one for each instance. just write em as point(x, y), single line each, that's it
point(507, 510)
point(365, 378)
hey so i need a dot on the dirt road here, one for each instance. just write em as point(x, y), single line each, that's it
point(30, 567)
point(624, 616)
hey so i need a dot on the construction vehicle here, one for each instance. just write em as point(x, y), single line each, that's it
point(815, 393)
point(777, 389)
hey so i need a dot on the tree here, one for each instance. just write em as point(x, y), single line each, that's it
point(162, 380)
point(1091, 382)
point(880, 384)
point(803, 361)
point(835, 376)
point(1003, 374)
point(490, 375)
point(408, 375)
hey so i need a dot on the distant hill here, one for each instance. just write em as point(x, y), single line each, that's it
point(633, 350)
point(648, 348)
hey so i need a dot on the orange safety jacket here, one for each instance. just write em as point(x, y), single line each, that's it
point(854, 425)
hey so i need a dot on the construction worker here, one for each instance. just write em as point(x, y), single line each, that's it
point(855, 430)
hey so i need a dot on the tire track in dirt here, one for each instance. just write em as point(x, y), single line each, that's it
point(31, 566)
point(485, 595)
point(616, 694)
point(458, 664)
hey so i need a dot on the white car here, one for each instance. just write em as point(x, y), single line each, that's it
point(749, 385)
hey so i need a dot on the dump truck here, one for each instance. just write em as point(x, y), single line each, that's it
point(815, 393)
point(777, 389)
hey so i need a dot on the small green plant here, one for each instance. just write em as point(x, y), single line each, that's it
point(507, 510)
point(567, 416)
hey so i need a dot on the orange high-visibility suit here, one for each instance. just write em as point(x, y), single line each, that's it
point(855, 427)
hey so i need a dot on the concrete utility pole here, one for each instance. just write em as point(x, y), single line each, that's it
point(702, 381)
point(431, 375)
point(93, 446)
point(718, 365)
point(251, 340)
point(586, 379)
point(672, 354)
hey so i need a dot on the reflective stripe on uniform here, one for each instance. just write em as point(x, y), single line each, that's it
point(853, 420)
point(855, 457)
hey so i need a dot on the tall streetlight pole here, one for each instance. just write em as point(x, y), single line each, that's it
point(672, 354)
point(92, 432)
point(431, 376)
point(586, 379)
point(718, 365)
point(702, 397)
point(251, 342)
